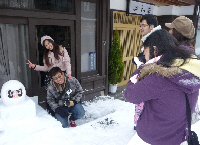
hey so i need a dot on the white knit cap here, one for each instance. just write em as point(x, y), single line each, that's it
point(44, 38)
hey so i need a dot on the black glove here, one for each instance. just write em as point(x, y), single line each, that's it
point(62, 111)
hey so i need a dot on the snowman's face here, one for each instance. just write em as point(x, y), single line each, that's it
point(13, 92)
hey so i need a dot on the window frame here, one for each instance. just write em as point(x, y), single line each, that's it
point(41, 11)
point(97, 45)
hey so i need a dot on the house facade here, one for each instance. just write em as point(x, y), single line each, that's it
point(166, 10)
point(81, 26)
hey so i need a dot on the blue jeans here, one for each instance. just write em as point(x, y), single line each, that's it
point(77, 113)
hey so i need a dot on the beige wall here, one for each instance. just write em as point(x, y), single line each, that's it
point(162, 10)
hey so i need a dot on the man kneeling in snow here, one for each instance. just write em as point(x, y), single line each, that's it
point(63, 97)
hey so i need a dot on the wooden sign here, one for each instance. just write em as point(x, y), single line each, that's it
point(140, 8)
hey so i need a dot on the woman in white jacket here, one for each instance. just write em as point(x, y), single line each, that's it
point(54, 56)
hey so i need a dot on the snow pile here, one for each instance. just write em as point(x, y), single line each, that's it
point(1, 125)
point(107, 121)
point(18, 111)
point(101, 106)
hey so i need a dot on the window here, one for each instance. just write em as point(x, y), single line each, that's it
point(14, 53)
point(52, 5)
point(88, 36)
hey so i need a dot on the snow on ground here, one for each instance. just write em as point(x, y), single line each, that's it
point(107, 121)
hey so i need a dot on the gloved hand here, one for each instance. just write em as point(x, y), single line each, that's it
point(62, 112)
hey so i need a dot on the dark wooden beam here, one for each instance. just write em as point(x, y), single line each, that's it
point(34, 14)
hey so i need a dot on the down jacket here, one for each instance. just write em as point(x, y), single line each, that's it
point(53, 94)
point(163, 120)
point(63, 63)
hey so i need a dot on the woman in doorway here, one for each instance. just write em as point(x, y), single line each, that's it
point(161, 83)
point(54, 56)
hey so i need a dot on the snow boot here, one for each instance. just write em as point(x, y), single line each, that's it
point(72, 123)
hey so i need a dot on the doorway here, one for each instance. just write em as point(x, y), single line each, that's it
point(62, 31)
point(61, 36)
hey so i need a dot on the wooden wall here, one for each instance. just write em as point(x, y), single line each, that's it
point(130, 40)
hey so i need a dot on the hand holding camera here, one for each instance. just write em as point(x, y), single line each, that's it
point(68, 103)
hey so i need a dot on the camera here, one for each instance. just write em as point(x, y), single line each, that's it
point(140, 59)
point(66, 102)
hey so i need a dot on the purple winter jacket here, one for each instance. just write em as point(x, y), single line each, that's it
point(163, 120)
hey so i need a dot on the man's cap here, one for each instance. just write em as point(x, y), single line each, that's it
point(183, 25)
point(44, 38)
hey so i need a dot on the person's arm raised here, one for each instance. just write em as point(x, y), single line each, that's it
point(31, 65)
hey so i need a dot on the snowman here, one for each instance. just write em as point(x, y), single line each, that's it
point(14, 104)
point(13, 92)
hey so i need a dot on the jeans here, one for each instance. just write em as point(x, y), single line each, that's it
point(77, 113)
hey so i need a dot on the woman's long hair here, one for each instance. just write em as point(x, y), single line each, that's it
point(55, 50)
point(183, 40)
point(167, 46)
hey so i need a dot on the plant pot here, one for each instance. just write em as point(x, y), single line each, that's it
point(112, 88)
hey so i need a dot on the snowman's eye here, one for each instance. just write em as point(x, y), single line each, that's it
point(10, 94)
point(19, 92)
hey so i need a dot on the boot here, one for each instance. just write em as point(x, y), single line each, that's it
point(72, 123)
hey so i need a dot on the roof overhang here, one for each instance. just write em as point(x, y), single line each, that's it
point(172, 2)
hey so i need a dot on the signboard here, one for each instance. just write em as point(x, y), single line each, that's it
point(140, 8)
point(92, 61)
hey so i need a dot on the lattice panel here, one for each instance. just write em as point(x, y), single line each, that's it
point(130, 39)
point(120, 17)
point(126, 39)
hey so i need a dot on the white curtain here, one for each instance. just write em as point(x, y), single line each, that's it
point(14, 52)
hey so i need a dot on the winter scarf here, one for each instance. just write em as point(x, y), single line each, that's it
point(134, 79)
point(191, 65)
point(60, 87)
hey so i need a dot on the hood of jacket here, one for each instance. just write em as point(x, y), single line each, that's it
point(185, 76)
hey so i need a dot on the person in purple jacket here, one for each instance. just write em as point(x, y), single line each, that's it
point(161, 83)
point(183, 30)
